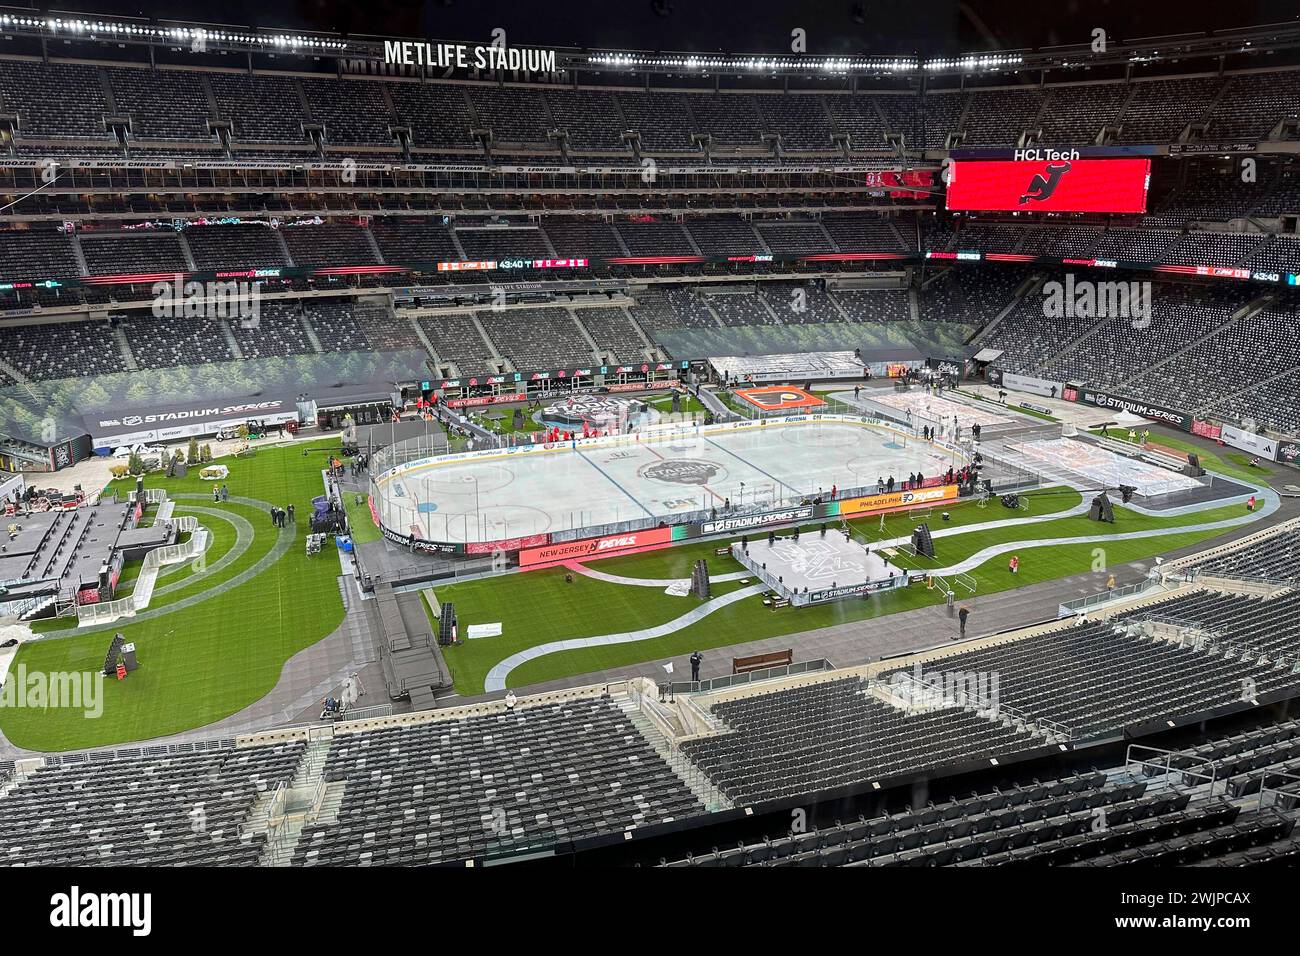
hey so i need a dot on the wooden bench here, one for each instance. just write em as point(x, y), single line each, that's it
point(758, 662)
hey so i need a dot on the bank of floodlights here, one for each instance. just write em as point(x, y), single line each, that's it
point(115, 30)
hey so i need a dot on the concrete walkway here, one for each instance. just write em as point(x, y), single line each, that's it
point(648, 582)
point(496, 678)
point(243, 541)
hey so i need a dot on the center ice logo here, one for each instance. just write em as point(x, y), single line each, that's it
point(683, 471)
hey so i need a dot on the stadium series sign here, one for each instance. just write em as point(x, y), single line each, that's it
point(462, 56)
point(110, 427)
point(1145, 409)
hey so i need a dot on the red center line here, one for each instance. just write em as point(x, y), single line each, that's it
point(716, 496)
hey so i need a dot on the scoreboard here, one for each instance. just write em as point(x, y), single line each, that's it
point(1059, 181)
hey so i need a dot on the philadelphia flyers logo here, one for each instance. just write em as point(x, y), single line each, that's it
point(776, 399)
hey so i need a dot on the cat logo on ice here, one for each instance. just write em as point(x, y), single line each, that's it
point(683, 471)
point(75, 909)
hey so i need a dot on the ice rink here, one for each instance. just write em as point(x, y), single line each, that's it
point(928, 409)
point(1100, 466)
point(502, 496)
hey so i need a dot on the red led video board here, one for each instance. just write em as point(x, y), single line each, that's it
point(1065, 184)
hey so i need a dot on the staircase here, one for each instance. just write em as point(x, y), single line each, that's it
point(1028, 287)
point(627, 313)
point(284, 247)
point(695, 779)
point(487, 339)
point(704, 300)
point(424, 339)
point(301, 806)
point(80, 255)
point(231, 342)
point(374, 245)
point(1253, 386)
point(13, 373)
point(34, 607)
point(124, 346)
point(596, 351)
point(1241, 315)
point(310, 332)
point(310, 766)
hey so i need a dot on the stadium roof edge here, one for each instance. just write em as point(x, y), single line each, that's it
point(166, 32)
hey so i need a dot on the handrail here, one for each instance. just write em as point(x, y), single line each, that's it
point(1278, 791)
point(1212, 641)
point(1212, 778)
point(1048, 726)
point(750, 677)
point(142, 593)
point(1105, 597)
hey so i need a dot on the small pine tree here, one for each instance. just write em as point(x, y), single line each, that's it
point(207, 453)
point(192, 455)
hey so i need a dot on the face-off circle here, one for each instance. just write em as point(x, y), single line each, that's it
point(472, 478)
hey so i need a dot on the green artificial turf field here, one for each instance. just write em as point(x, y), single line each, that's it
point(687, 404)
point(360, 521)
point(539, 607)
point(202, 661)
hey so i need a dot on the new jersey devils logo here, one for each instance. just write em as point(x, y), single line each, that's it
point(1042, 186)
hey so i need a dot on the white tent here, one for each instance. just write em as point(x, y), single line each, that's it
point(19, 632)
point(1127, 419)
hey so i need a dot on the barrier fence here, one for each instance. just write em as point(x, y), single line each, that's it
point(142, 593)
point(750, 677)
point(405, 517)
point(1080, 605)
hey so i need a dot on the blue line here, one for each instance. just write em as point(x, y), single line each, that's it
point(752, 465)
point(610, 479)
